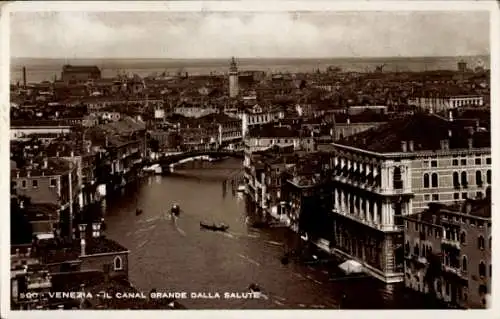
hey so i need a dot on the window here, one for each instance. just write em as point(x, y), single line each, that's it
point(463, 237)
point(53, 182)
point(23, 184)
point(117, 263)
point(416, 226)
point(488, 160)
point(407, 247)
point(483, 290)
point(465, 196)
point(479, 178)
point(426, 163)
point(434, 180)
point(34, 183)
point(489, 243)
point(427, 197)
point(426, 180)
point(463, 178)
point(435, 197)
point(416, 250)
point(455, 162)
point(488, 176)
point(456, 196)
point(463, 161)
point(456, 179)
point(398, 182)
point(13, 184)
point(434, 163)
point(478, 161)
point(464, 263)
point(480, 242)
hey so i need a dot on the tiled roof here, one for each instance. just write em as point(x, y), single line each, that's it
point(426, 131)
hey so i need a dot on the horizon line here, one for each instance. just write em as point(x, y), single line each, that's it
point(246, 57)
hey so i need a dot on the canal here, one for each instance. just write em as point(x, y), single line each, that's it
point(177, 256)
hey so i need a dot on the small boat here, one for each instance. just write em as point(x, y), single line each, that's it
point(138, 212)
point(214, 227)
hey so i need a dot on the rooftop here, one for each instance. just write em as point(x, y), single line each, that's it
point(56, 251)
point(425, 130)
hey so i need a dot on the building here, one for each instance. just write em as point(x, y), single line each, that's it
point(395, 170)
point(257, 116)
point(48, 129)
point(73, 74)
point(233, 79)
point(50, 181)
point(448, 252)
point(439, 104)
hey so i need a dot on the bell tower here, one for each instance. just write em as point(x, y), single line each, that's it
point(233, 79)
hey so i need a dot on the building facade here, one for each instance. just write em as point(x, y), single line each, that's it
point(394, 170)
point(448, 252)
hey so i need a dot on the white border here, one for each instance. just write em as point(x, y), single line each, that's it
point(252, 6)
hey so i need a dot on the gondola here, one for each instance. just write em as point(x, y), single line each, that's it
point(221, 227)
point(175, 210)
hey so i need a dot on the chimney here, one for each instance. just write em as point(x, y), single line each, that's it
point(28, 173)
point(450, 116)
point(411, 147)
point(470, 142)
point(348, 121)
point(45, 163)
point(72, 154)
point(82, 246)
point(445, 145)
point(403, 146)
point(24, 77)
point(450, 133)
point(28, 252)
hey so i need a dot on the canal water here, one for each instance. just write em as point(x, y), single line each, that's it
point(175, 255)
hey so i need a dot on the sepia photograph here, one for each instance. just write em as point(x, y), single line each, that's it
point(241, 159)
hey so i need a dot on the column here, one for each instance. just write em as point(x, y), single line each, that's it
point(362, 211)
point(376, 213)
point(354, 201)
point(367, 211)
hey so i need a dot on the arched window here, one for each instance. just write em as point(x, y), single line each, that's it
point(434, 180)
point(117, 263)
point(456, 179)
point(463, 237)
point(482, 269)
point(416, 250)
point(464, 263)
point(426, 180)
point(480, 242)
point(464, 178)
point(479, 178)
point(488, 176)
point(407, 248)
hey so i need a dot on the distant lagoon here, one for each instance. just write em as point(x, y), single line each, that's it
point(39, 70)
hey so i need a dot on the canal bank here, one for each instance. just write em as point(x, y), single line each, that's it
point(176, 256)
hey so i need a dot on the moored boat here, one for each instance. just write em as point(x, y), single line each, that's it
point(214, 227)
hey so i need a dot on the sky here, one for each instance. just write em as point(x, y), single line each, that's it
point(248, 35)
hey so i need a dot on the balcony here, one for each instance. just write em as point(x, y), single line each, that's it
point(451, 242)
point(369, 223)
point(455, 271)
